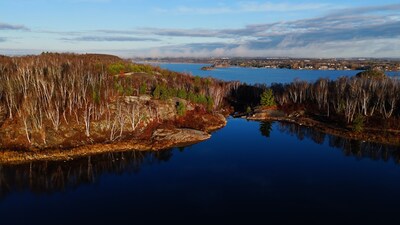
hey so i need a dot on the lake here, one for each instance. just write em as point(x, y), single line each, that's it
point(260, 75)
point(246, 173)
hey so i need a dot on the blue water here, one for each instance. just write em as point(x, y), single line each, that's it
point(285, 174)
point(247, 173)
point(260, 75)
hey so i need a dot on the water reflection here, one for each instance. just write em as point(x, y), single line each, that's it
point(355, 148)
point(48, 177)
point(266, 128)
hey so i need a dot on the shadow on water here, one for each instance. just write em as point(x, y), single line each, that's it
point(49, 177)
point(349, 147)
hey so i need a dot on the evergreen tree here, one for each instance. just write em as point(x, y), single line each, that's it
point(267, 98)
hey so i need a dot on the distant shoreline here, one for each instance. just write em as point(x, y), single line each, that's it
point(205, 64)
point(392, 65)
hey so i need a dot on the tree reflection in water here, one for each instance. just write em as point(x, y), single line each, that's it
point(266, 128)
point(355, 148)
point(48, 177)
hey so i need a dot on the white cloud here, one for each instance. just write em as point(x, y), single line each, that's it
point(384, 47)
point(355, 32)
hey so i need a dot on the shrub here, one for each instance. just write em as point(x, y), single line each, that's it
point(128, 91)
point(358, 123)
point(165, 93)
point(181, 108)
point(143, 88)
point(192, 97)
point(157, 92)
point(201, 99)
point(248, 110)
point(116, 68)
point(182, 94)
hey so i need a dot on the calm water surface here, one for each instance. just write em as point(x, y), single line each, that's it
point(260, 75)
point(247, 173)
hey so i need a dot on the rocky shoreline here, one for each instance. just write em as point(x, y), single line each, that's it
point(388, 137)
point(164, 129)
point(161, 138)
point(167, 136)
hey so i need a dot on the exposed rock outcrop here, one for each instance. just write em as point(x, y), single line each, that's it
point(180, 131)
point(177, 137)
point(161, 139)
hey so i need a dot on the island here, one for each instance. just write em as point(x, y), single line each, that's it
point(216, 65)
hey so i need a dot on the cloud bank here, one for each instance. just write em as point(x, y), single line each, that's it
point(109, 39)
point(6, 26)
point(372, 31)
point(366, 31)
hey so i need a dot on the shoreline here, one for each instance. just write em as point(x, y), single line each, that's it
point(166, 135)
point(380, 136)
point(181, 137)
point(162, 139)
point(254, 67)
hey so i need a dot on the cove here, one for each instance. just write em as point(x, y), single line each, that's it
point(254, 172)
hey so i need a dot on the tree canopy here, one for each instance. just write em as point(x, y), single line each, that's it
point(267, 98)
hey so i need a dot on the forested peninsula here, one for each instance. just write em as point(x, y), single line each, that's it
point(364, 107)
point(62, 106)
point(66, 102)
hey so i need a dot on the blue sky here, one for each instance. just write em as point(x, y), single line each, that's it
point(202, 28)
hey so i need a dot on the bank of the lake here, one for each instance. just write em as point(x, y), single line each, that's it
point(371, 134)
point(270, 76)
point(156, 137)
point(280, 172)
point(173, 131)
point(62, 105)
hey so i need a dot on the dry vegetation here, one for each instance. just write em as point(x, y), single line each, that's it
point(363, 107)
point(345, 99)
point(54, 100)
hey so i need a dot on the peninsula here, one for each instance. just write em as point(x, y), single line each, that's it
point(53, 106)
point(62, 106)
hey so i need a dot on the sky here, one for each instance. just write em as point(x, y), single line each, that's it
point(202, 28)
